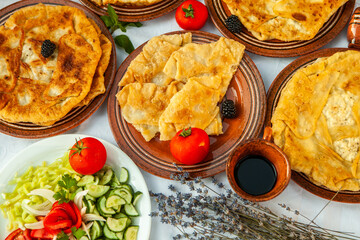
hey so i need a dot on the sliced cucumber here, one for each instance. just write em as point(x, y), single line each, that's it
point(115, 201)
point(131, 233)
point(124, 193)
point(120, 215)
point(120, 235)
point(115, 182)
point(85, 180)
point(97, 190)
point(128, 187)
point(116, 224)
point(84, 238)
point(124, 175)
point(107, 177)
point(88, 197)
point(128, 222)
point(108, 233)
point(96, 230)
point(130, 210)
point(103, 209)
point(137, 196)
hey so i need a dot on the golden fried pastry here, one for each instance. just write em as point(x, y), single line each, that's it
point(149, 64)
point(174, 84)
point(46, 89)
point(286, 20)
point(317, 121)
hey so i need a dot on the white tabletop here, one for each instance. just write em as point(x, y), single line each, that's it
point(338, 216)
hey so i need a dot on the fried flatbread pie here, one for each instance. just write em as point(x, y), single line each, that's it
point(285, 20)
point(43, 90)
point(317, 121)
point(174, 84)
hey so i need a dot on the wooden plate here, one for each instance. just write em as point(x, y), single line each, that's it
point(274, 48)
point(137, 14)
point(77, 115)
point(246, 89)
point(272, 99)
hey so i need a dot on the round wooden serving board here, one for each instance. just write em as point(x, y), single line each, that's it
point(136, 14)
point(77, 115)
point(246, 89)
point(273, 96)
point(219, 12)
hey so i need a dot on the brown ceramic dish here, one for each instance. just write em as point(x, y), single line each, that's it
point(136, 14)
point(246, 89)
point(76, 116)
point(353, 31)
point(219, 12)
point(265, 148)
point(273, 96)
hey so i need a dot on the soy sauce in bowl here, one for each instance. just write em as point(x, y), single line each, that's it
point(255, 175)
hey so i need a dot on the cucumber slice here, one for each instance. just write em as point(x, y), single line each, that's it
point(85, 180)
point(115, 182)
point(124, 175)
point(120, 235)
point(130, 210)
point(137, 196)
point(131, 233)
point(115, 201)
point(116, 224)
point(88, 197)
point(84, 238)
point(103, 209)
point(108, 233)
point(107, 177)
point(96, 230)
point(128, 222)
point(128, 187)
point(97, 190)
point(90, 205)
point(124, 193)
point(120, 215)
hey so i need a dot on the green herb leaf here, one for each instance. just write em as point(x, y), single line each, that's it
point(185, 132)
point(107, 20)
point(132, 24)
point(112, 14)
point(67, 181)
point(62, 236)
point(189, 12)
point(61, 196)
point(78, 233)
point(122, 28)
point(123, 41)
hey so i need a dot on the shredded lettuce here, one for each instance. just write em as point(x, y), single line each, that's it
point(43, 176)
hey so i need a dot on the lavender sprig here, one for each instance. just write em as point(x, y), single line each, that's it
point(214, 212)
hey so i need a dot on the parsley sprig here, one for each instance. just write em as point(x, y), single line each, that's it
point(112, 22)
point(77, 232)
point(65, 194)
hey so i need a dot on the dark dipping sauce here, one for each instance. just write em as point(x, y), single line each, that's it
point(255, 175)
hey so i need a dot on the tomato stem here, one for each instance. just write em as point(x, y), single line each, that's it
point(189, 12)
point(79, 146)
point(185, 132)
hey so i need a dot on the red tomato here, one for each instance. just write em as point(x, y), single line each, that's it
point(42, 234)
point(87, 156)
point(19, 234)
point(190, 146)
point(191, 15)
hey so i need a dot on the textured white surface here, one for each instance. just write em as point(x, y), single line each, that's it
point(339, 216)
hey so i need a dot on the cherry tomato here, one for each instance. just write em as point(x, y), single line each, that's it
point(19, 234)
point(191, 15)
point(190, 146)
point(87, 156)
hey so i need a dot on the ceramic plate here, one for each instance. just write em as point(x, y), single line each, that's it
point(272, 99)
point(77, 115)
point(246, 89)
point(52, 148)
point(219, 12)
point(137, 14)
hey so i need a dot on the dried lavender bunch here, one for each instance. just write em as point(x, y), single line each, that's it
point(218, 213)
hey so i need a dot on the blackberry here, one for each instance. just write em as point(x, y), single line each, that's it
point(233, 24)
point(47, 48)
point(228, 109)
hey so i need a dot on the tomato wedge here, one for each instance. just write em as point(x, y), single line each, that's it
point(19, 234)
point(42, 234)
